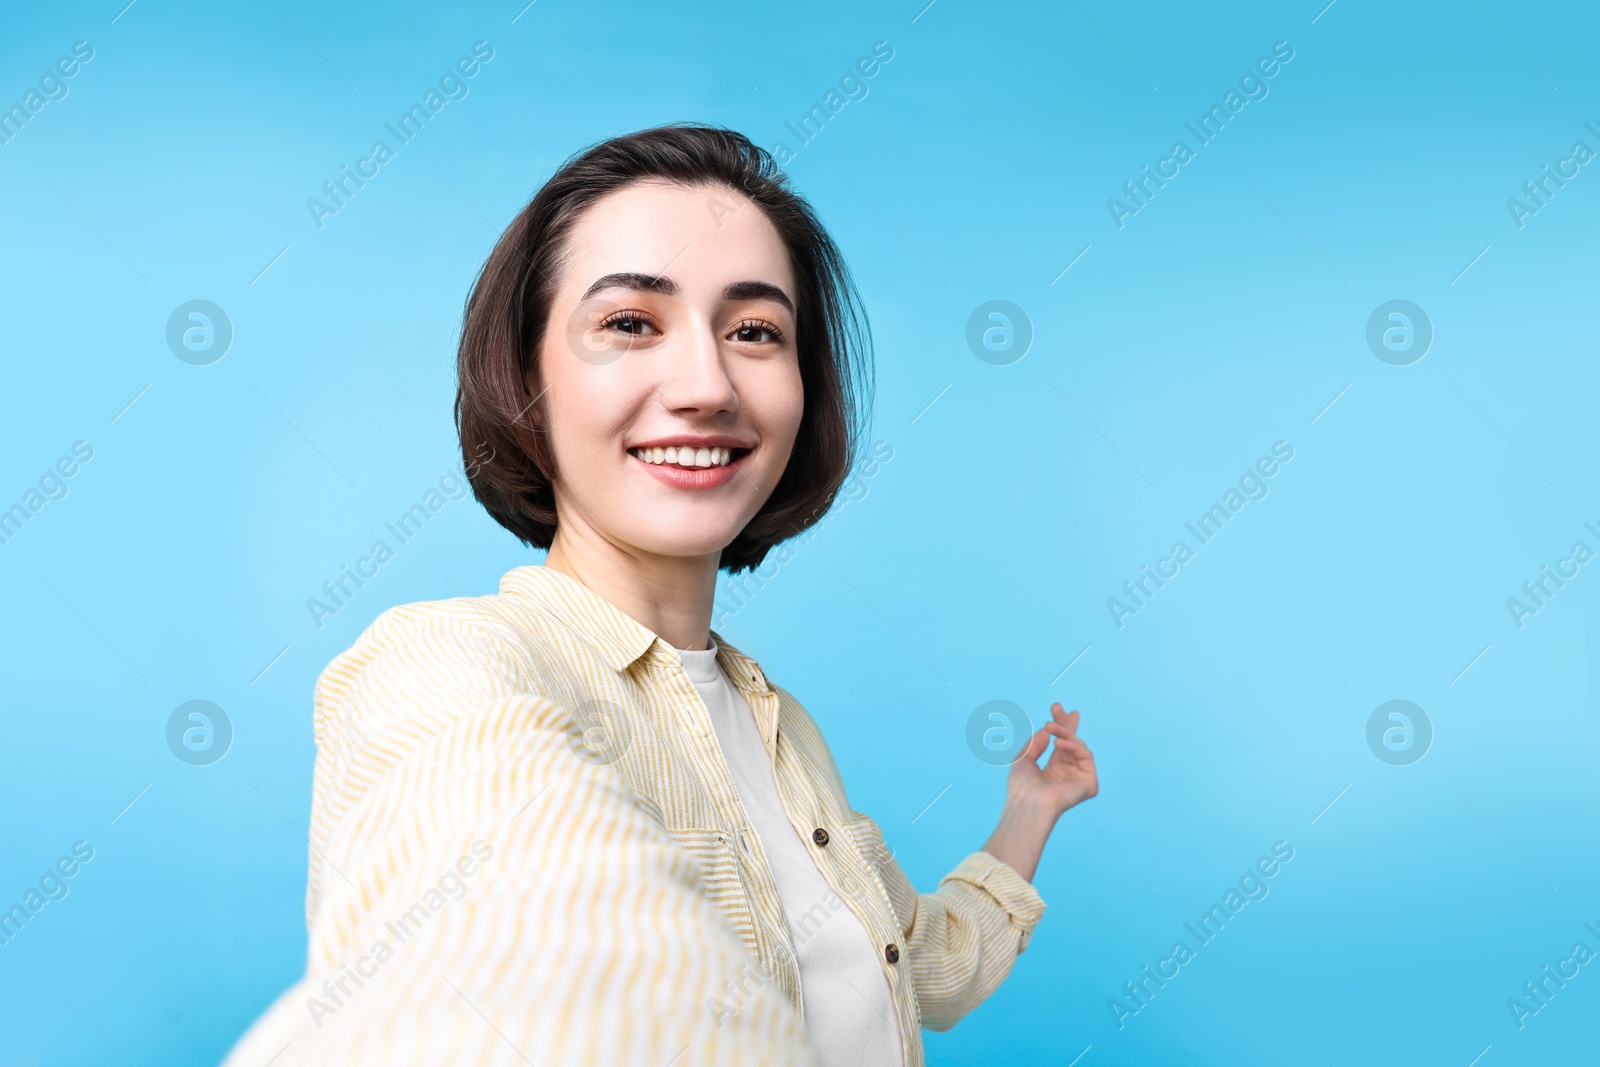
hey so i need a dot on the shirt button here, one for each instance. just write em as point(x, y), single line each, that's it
point(891, 953)
point(820, 836)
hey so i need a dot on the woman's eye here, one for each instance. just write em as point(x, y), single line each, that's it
point(753, 333)
point(633, 325)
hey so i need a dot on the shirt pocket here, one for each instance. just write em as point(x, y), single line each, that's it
point(716, 852)
point(867, 838)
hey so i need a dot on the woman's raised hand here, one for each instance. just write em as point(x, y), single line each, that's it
point(1067, 778)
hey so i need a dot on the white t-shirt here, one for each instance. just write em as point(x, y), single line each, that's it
point(849, 1008)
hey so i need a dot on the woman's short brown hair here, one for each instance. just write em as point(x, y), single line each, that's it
point(501, 423)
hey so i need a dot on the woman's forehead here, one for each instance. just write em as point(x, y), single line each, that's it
point(702, 236)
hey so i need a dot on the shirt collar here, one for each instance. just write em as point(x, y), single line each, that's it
point(621, 639)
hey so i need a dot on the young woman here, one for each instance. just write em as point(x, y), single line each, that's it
point(570, 823)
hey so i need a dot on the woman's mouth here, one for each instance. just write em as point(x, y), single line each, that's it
point(690, 466)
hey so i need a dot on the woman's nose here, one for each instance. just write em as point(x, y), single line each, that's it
point(695, 377)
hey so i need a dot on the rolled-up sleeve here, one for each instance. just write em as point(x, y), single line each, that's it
point(963, 938)
point(482, 893)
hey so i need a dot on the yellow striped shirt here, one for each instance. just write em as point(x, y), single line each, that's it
point(526, 849)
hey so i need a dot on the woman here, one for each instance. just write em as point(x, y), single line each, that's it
point(570, 823)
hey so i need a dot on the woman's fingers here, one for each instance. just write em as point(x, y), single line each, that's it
point(1063, 727)
point(1066, 718)
point(1062, 730)
point(1068, 743)
point(1036, 745)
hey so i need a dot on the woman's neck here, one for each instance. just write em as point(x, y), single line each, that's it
point(670, 595)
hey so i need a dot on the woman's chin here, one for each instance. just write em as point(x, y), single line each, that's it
point(689, 544)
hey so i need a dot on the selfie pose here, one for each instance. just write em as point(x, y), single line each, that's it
point(570, 823)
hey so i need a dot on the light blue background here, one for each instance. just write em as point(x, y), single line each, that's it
point(1223, 317)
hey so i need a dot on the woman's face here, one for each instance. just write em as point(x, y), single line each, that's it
point(671, 381)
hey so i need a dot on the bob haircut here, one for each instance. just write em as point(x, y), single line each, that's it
point(501, 423)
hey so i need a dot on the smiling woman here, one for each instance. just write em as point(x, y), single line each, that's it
point(663, 374)
point(706, 244)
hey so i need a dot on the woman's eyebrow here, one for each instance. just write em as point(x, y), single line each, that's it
point(651, 283)
point(654, 283)
point(758, 291)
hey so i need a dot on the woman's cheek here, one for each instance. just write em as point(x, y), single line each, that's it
point(789, 399)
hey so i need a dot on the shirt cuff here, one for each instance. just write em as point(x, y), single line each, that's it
point(1015, 894)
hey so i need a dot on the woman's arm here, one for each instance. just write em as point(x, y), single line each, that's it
point(962, 939)
point(486, 895)
point(1037, 796)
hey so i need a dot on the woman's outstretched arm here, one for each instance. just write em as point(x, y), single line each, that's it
point(483, 894)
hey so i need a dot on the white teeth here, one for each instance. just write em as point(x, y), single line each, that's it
point(686, 456)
